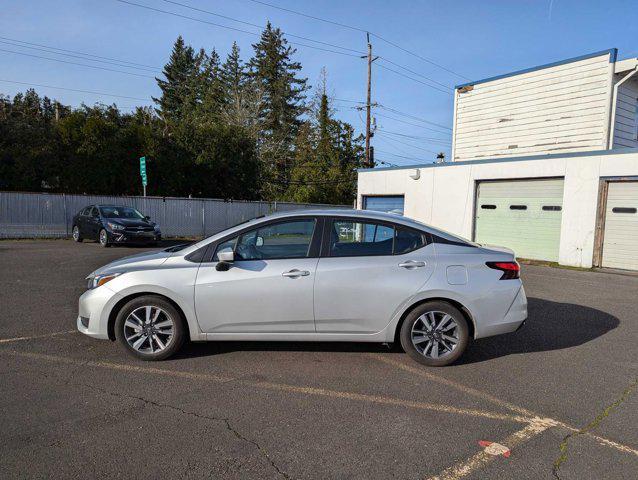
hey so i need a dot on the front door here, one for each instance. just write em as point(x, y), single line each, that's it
point(269, 286)
point(370, 270)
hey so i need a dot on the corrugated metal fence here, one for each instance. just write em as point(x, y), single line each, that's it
point(33, 215)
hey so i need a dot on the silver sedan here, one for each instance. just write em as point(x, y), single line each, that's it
point(313, 275)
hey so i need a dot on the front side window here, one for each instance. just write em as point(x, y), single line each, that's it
point(280, 240)
point(353, 239)
point(86, 211)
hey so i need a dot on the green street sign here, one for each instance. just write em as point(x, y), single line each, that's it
point(143, 166)
point(144, 180)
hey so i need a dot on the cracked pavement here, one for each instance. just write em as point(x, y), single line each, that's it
point(74, 407)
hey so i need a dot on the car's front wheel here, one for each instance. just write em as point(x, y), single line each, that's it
point(435, 334)
point(150, 328)
point(104, 238)
point(77, 237)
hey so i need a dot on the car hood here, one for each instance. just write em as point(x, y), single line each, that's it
point(140, 261)
point(131, 222)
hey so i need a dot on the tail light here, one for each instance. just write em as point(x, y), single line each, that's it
point(511, 270)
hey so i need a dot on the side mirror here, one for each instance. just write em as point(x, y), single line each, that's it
point(226, 258)
point(146, 217)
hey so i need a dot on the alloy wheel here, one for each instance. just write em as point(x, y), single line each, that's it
point(435, 334)
point(103, 237)
point(149, 329)
point(76, 233)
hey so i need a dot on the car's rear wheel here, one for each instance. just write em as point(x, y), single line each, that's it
point(435, 334)
point(150, 328)
point(104, 238)
point(75, 233)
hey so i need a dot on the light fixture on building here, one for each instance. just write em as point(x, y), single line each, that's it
point(416, 174)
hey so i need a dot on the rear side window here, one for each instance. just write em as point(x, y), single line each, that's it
point(407, 240)
point(86, 211)
point(356, 239)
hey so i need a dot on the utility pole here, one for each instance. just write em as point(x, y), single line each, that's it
point(369, 160)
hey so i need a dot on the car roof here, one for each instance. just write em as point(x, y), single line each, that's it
point(348, 212)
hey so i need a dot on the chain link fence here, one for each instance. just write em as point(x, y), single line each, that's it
point(44, 215)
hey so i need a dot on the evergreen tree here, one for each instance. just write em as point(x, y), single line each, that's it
point(233, 76)
point(180, 88)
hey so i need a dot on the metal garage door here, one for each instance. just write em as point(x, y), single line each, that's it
point(620, 241)
point(523, 215)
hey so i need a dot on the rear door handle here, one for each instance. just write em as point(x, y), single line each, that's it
point(411, 264)
point(294, 273)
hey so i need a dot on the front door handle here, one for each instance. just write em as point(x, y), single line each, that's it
point(411, 264)
point(294, 273)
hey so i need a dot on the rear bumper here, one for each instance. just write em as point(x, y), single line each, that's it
point(513, 320)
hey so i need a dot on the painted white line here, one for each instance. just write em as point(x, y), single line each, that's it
point(22, 339)
point(482, 458)
point(361, 397)
point(497, 401)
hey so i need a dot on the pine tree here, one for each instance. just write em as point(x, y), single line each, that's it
point(274, 74)
point(233, 75)
point(212, 87)
point(180, 87)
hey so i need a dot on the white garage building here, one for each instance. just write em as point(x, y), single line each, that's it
point(545, 161)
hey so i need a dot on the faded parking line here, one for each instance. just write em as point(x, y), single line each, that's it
point(314, 391)
point(497, 401)
point(22, 339)
point(483, 457)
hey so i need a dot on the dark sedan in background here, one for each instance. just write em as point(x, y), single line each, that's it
point(112, 224)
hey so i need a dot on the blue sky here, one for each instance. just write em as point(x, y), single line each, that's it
point(474, 39)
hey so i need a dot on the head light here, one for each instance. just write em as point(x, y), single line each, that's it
point(98, 280)
point(114, 226)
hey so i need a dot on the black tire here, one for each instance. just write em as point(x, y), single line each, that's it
point(437, 308)
point(103, 239)
point(179, 330)
point(76, 235)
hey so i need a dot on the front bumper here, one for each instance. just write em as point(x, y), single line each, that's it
point(134, 237)
point(94, 308)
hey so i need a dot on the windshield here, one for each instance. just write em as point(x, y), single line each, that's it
point(121, 212)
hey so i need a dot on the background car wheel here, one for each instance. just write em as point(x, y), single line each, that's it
point(104, 238)
point(435, 334)
point(75, 233)
point(150, 328)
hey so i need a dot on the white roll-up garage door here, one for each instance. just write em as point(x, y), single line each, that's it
point(620, 241)
point(524, 215)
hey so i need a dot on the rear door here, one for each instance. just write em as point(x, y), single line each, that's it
point(269, 287)
point(367, 271)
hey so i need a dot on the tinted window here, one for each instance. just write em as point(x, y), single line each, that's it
point(552, 208)
point(280, 240)
point(488, 207)
point(121, 212)
point(407, 240)
point(354, 239)
point(86, 211)
point(624, 210)
point(518, 207)
point(93, 212)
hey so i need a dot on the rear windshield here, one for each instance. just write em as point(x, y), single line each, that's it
point(121, 212)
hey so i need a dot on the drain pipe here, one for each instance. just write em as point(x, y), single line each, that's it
point(612, 130)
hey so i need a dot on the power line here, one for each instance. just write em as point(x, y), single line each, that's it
point(75, 63)
point(339, 24)
point(413, 117)
point(413, 79)
point(447, 87)
point(230, 28)
point(413, 124)
point(405, 143)
point(46, 50)
point(259, 26)
point(81, 53)
point(74, 90)
point(413, 137)
point(403, 156)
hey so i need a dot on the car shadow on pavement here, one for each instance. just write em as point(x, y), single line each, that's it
point(549, 326)
point(204, 349)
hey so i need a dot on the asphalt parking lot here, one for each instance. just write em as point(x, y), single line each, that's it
point(560, 395)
